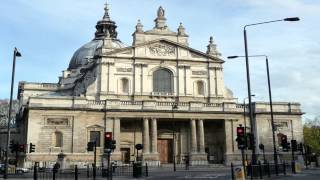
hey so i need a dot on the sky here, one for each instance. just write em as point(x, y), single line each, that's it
point(47, 33)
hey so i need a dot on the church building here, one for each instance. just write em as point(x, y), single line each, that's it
point(158, 92)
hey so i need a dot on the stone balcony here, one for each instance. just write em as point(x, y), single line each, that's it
point(114, 104)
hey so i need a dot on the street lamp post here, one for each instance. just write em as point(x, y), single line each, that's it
point(248, 75)
point(271, 107)
point(174, 107)
point(16, 53)
point(245, 124)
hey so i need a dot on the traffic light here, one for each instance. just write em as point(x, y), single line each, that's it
point(32, 148)
point(294, 145)
point(108, 136)
point(108, 142)
point(308, 149)
point(284, 143)
point(13, 146)
point(241, 138)
point(250, 141)
point(21, 148)
point(300, 147)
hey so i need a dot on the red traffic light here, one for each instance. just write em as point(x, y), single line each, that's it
point(240, 131)
point(108, 135)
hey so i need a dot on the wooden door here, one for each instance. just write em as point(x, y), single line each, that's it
point(165, 150)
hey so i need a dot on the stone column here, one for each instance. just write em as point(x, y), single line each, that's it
point(154, 136)
point(228, 140)
point(145, 136)
point(193, 136)
point(201, 135)
point(116, 134)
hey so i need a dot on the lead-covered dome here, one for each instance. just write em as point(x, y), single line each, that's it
point(85, 54)
point(106, 30)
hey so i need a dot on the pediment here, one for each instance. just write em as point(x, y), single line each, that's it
point(163, 48)
point(95, 126)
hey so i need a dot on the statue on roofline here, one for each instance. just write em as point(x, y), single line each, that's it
point(160, 12)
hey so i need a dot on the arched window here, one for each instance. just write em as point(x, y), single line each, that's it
point(124, 85)
point(57, 139)
point(200, 88)
point(162, 81)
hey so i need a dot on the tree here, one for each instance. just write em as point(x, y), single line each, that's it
point(311, 133)
point(4, 110)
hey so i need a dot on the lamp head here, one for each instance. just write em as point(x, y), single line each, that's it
point(17, 53)
point(292, 19)
point(232, 57)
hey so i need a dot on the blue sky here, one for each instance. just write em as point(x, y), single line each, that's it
point(48, 32)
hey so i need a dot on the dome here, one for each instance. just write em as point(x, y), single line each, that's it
point(86, 53)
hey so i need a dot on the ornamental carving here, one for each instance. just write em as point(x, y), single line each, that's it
point(162, 50)
point(58, 121)
point(199, 72)
point(124, 69)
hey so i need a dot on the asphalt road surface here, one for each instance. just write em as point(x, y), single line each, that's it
point(205, 174)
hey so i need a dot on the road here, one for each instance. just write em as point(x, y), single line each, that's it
point(207, 174)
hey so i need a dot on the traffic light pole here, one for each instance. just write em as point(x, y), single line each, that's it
point(94, 160)
point(16, 161)
point(109, 167)
point(243, 163)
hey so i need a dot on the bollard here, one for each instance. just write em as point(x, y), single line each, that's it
point(268, 166)
point(76, 172)
point(147, 172)
point(232, 173)
point(260, 169)
point(284, 168)
point(53, 175)
point(35, 171)
point(277, 169)
point(251, 167)
point(293, 167)
point(88, 175)
point(94, 171)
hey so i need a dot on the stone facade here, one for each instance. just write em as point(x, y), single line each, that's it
point(158, 92)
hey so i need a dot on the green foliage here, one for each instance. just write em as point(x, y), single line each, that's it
point(311, 133)
point(4, 109)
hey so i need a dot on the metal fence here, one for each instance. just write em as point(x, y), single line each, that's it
point(265, 170)
point(89, 172)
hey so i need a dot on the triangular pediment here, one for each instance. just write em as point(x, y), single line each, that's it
point(95, 126)
point(163, 48)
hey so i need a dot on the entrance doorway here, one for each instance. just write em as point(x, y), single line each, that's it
point(165, 150)
point(125, 155)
